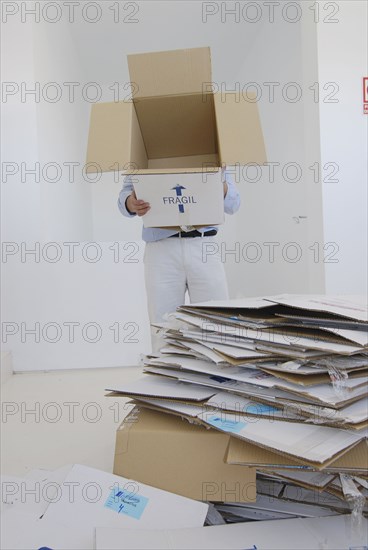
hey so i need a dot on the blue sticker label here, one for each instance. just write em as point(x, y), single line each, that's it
point(226, 425)
point(125, 502)
point(260, 409)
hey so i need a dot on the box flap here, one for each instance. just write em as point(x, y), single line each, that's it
point(114, 142)
point(148, 171)
point(170, 72)
point(239, 130)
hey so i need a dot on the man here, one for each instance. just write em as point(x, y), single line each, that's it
point(177, 261)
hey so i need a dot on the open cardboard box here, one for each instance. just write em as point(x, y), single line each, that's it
point(169, 453)
point(175, 124)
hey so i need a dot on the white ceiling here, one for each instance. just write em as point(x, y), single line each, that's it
point(162, 25)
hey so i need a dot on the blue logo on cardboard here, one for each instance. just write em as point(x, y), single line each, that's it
point(180, 200)
point(178, 189)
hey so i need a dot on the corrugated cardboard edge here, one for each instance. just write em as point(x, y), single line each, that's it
point(148, 171)
point(335, 464)
point(318, 311)
point(122, 435)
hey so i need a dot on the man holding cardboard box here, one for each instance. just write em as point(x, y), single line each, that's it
point(171, 141)
point(178, 261)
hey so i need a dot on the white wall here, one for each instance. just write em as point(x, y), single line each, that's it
point(342, 59)
point(20, 205)
point(107, 292)
point(282, 218)
point(74, 312)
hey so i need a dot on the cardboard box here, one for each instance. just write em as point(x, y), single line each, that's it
point(175, 121)
point(190, 199)
point(171, 454)
point(175, 124)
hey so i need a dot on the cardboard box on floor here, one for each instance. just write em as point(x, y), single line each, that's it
point(171, 454)
point(176, 124)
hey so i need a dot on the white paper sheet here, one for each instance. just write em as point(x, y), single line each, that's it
point(91, 497)
point(329, 533)
point(158, 386)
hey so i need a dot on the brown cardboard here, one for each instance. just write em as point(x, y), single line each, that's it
point(111, 130)
point(174, 120)
point(180, 125)
point(311, 379)
point(240, 452)
point(170, 72)
point(170, 453)
point(238, 138)
point(188, 163)
point(239, 130)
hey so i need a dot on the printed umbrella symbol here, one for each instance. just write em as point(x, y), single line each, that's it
point(178, 189)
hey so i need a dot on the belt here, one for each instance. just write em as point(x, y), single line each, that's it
point(195, 233)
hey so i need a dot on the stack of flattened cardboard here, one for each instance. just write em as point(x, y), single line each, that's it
point(77, 507)
point(276, 385)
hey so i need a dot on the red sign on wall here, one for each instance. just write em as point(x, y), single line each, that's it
point(365, 95)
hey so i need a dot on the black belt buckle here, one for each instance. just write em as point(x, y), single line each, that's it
point(195, 233)
point(190, 234)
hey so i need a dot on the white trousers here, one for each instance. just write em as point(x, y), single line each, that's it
point(174, 265)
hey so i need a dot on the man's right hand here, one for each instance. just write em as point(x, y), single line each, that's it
point(136, 206)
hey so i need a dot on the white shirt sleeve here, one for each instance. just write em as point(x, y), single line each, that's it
point(123, 195)
point(232, 197)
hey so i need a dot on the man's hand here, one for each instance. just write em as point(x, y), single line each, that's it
point(136, 206)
